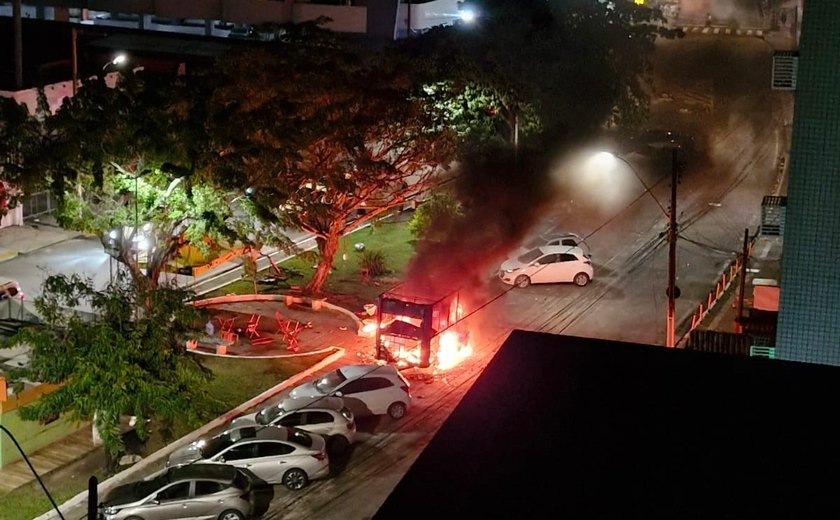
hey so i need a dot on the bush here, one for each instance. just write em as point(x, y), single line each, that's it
point(374, 262)
point(434, 218)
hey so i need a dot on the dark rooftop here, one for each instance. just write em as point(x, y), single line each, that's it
point(579, 428)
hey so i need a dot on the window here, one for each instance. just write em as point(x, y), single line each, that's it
point(318, 417)
point(207, 487)
point(354, 387)
point(293, 419)
point(566, 257)
point(243, 451)
point(547, 259)
point(177, 491)
point(569, 242)
point(272, 449)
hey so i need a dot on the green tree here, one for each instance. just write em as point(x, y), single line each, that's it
point(111, 362)
point(551, 72)
point(328, 135)
point(127, 164)
point(435, 217)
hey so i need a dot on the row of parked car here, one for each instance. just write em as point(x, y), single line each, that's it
point(288, 443)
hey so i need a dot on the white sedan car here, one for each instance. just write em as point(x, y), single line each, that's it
point(276, 454)
point(553, 264)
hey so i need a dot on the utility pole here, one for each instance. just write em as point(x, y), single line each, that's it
point(672, 252)
point(73, 44)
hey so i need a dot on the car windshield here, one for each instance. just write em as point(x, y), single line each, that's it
point(145, 488)
point(530, 256)
point(300, 437)
point(330, 382)
point(269, 413)
point(215, 445)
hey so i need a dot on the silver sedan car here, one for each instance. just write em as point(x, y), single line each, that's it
point(276, 454)
point(198, 491)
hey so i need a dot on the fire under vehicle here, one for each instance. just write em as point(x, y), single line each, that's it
point(419, 327)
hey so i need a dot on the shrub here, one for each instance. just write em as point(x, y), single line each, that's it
point(433, 219)
point(374, 262)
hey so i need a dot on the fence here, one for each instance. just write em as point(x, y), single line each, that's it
point(728, 275)
point(38, 203)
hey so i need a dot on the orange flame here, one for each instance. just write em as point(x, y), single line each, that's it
point(452, 350)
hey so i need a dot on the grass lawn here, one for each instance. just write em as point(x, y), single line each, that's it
point(344, 286)
point(235, 381)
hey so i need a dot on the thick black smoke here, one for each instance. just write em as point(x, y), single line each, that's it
point(503, 195)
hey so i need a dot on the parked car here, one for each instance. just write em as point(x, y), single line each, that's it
point(276, 454)
point(366, 389)
point(325, 415)
point(198, 491)
point(552, 264)
point(553, 238)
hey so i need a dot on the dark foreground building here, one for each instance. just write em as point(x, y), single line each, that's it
point(576, 428)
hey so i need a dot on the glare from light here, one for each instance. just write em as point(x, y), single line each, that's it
point(119, 59)
point(113, 234)
point(467, 16)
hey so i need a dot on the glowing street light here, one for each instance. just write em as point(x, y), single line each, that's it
point(119, 59)
point(673, 292)
point(467, 15)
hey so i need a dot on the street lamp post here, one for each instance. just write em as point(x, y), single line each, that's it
point(672, 291)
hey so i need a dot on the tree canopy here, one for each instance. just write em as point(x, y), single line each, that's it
point(127, 164)
point(328, 137)
point(557, 70)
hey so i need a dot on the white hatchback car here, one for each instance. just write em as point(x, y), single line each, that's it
point(276, 454)
point(324, 415)
point(554, 264)
point(366, 389)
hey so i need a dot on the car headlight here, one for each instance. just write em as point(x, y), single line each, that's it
point(110, 511)
point(512, 270)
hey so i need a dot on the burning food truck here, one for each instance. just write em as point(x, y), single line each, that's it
point(417, 326)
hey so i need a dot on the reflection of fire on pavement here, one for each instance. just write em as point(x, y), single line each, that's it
point(414, 327)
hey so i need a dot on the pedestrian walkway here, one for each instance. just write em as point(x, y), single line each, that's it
point(57, 455)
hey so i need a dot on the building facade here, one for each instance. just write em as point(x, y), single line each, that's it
point(809, 309)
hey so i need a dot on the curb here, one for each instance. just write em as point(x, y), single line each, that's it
point(80, 500)
point(7, 254)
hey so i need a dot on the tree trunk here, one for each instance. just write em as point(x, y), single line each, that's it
point(327, 248)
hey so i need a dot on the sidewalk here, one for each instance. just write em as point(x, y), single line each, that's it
point(31, 236)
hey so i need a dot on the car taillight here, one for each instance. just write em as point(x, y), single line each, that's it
point(320, 456)
point(351, 426)
point(587, 262)
point(405, 389)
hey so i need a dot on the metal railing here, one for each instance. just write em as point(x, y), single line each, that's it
point(38, 203)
